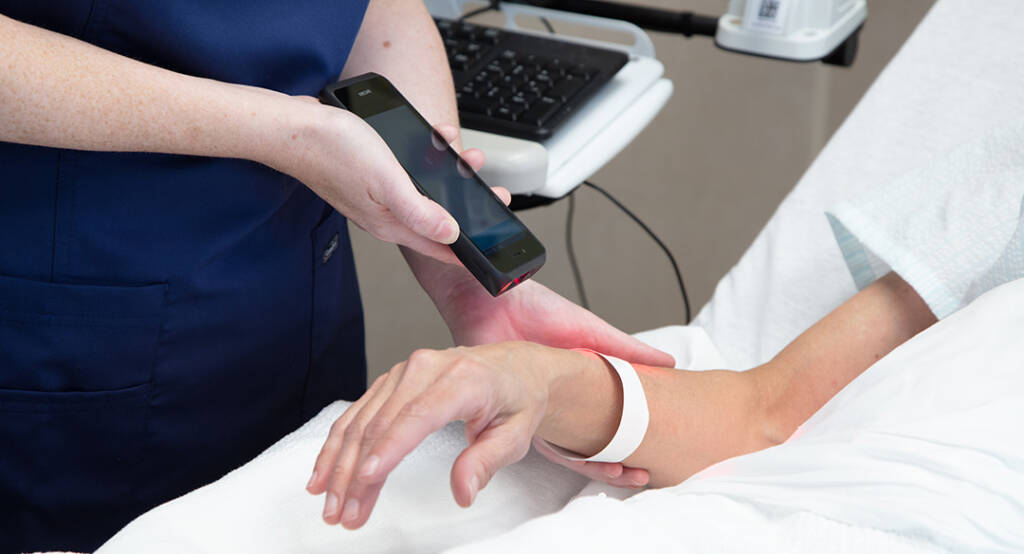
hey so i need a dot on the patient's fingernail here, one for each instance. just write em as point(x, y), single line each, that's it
point(369, 466)
point(351, 511)
point(331, 507)
point(311, 479)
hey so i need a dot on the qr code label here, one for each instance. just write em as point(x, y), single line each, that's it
point(768, 10)
point(766, 15)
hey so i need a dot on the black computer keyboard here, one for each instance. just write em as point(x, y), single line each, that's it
point(521, 85)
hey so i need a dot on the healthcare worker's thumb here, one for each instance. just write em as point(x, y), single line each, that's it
point(421, 214)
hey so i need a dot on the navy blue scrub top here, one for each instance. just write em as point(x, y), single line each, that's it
point(165, 318)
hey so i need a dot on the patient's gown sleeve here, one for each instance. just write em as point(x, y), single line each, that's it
point(952, 230)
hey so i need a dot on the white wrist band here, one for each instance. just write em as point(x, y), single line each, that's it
point(632, 424)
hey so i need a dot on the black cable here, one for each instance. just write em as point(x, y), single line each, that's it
point(491, 5)
point(685, 23)
point(547, 25)
point(671, 258)
point(573, 264)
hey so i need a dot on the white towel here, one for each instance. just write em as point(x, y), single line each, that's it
point(952, 230)
point(263, 506)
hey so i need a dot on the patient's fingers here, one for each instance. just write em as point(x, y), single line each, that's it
point(493, 449)
point(418, 418)
point(341, 467)
point(358, 512)
point(328, 452)
point(416, 375)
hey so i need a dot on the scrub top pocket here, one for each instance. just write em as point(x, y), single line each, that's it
point(76, 365)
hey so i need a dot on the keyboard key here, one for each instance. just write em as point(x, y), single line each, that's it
point(495, 70)
point(581, 71)
point(460, 62)
point(555, 68)
point(525, 78)
point(519, 100)
point(535, 61)
point(510, 113)
point(476, 105)
point(541, 111)
point(490, 36)
point(529, 95)
point(465, 30)
point(566, 88)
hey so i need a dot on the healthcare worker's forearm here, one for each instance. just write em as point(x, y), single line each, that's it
point(399, 40)
point(413, 58)
point(699, 418)
point(61, 92)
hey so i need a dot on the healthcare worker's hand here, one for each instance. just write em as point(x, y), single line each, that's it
point(530, 312)
point(344, 161)
point(501, 391)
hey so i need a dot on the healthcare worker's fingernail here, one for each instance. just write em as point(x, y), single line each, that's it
point(311, 479)
point(369, 466)
point(474, 484)
point(451, 229)
point(351, 511)
point(331, 507)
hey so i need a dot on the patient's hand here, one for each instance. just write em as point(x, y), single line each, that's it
point(501, 391)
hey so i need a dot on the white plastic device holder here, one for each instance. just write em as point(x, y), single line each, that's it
point(799, 30)
point(599, 129)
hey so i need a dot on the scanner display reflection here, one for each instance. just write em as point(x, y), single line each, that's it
point(446, 178)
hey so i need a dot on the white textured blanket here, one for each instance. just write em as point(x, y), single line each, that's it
point(263, 506)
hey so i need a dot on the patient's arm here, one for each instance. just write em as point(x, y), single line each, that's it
point(699, 418)
point(509, 392)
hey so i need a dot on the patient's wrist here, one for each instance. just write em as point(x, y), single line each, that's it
point(584, 402)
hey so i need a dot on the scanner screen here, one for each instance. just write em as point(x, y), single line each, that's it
point(446, 178)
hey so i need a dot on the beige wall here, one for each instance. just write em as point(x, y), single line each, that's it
point(705, 175)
